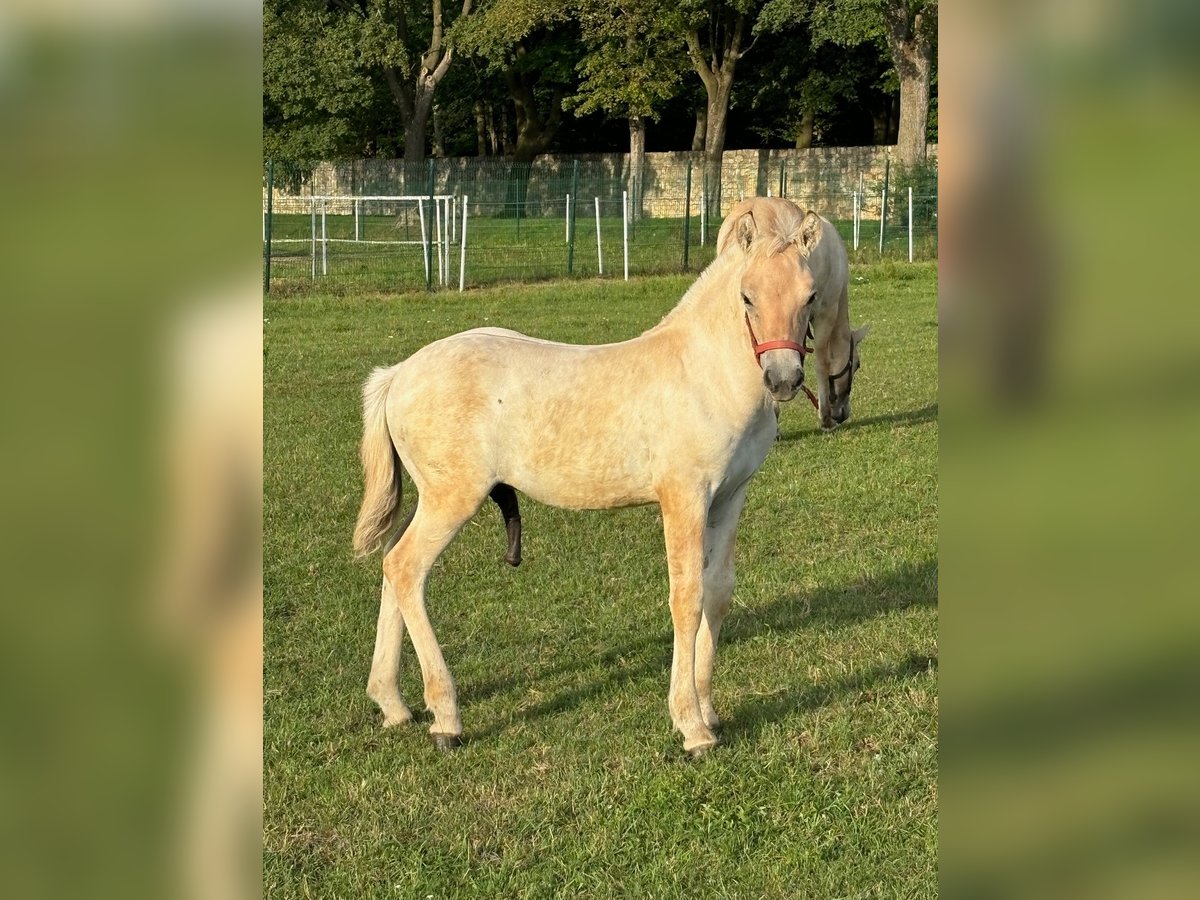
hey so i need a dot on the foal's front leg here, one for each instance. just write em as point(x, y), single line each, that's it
point(684, 512)
point(718, 592)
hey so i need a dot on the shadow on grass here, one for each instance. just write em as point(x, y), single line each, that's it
point(649, 656)
point(903, 418)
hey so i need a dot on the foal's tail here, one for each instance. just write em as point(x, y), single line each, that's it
point(381, 467)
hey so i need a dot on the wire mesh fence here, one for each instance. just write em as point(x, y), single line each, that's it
point(451, 224)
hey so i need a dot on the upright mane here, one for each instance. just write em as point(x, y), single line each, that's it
point(777, 226)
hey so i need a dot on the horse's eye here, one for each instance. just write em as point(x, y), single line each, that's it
point(746, 300)
point(813, 298)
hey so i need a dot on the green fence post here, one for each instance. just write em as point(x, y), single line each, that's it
point(687, 213)
point(782, 180)
point(887, 171)
point(270, 215)
point(430, 234)
point(571, 219)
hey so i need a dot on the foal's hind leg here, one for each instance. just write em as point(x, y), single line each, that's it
point(718, 591)
point(383, 684)
point(407, 567)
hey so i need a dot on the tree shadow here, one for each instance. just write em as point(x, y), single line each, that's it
point(650, 655)
point(902, 418)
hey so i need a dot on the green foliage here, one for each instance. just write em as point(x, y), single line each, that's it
point(635, 59)
point(314, 84)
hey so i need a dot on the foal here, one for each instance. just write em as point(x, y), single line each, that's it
point(682, 416)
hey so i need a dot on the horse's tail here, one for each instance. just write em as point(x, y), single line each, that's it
point(381, 467)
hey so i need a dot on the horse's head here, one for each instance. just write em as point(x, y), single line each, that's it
point(777, 287)
point(834, 394)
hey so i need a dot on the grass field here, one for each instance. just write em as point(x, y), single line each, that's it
point(571, 782)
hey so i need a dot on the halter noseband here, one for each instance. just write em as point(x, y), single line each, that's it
point(760, 349)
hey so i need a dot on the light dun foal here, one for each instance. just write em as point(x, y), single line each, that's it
point(682, 416)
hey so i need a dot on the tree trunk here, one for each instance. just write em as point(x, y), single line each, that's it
point(637, 161)
point(534, 132)
point(714, 143)
point(506, 146)
point(414, 139)
point(701, 126)
point(914, 110)
point(439, 149)
point(879, 125)
point(804, 136)
point(910, 39)
point(480, 130)
point(716, 69)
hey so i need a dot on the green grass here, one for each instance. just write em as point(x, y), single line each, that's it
point(507, 249)
point(571, 782)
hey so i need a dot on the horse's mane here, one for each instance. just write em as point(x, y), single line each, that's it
point(778, 227)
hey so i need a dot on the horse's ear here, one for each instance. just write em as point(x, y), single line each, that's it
point(745, 230)
point(810, 232)
point(859, 335)
point(742, 231)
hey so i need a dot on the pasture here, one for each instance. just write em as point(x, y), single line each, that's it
point(571, 782)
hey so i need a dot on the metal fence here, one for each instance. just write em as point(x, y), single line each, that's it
point(452, 224)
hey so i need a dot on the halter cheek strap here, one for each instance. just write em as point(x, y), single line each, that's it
point(760, 349)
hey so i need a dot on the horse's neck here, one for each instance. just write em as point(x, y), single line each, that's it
point(707, 311)
point(831, 334)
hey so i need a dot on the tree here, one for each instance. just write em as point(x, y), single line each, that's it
point(325, 63)
point(908, 28)
point(314, 87)
point(633, 65)
point(715, 32)
point(412, 52)
point(532, 46)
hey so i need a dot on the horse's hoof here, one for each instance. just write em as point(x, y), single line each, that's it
point(447, 742)
point(394, 721)
point(701, 751)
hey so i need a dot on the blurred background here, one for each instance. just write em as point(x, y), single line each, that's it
point(130, 662)
point(1069, 448)
point(131, 479)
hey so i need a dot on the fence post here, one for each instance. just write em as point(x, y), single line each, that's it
point(462, 254)
point(687, 213)
point(313, 207)
point(438, 243)
point(625, 229)
point(782, 178)
point(703, 213)
point(857, 217)
point(887, 170)
point(357, 232)
point(910, 214)
point(424, 240)
point(429, 243)
point(267, 236)
point(599, 252)
point(324, 241)
point(571, 204)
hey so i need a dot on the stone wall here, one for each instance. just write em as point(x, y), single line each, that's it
point(821, 178)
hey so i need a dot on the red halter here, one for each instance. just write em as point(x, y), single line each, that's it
point(760, 349)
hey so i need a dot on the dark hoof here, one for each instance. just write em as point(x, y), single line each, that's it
point(447, 742)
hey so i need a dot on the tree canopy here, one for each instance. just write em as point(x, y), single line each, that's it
point(351, 78)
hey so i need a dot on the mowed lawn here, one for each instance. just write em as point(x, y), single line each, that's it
point(571, 782)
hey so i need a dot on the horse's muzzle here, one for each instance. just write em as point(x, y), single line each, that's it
point(783, 373)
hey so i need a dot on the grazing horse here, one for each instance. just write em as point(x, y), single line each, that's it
point(835, 345)
point(682, 416)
